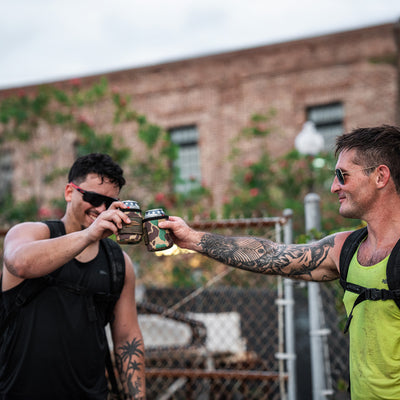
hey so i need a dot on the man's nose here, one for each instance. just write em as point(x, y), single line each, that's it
point(335, 185)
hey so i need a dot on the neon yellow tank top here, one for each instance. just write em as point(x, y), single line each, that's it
point(374, 337)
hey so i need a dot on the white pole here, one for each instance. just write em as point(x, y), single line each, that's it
point(313, 221)
point(289, 315)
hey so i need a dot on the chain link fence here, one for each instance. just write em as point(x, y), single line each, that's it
point(219, 339)
point(337, 342)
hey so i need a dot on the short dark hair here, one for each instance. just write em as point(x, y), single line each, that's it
point(96, 163)
point(374, 146)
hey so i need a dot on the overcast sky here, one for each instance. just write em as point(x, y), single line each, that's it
point(46, 40)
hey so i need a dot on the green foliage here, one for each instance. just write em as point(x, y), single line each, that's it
point(149, 134)
point(268, 185)
point(259, 124)
point(90, 142)
point(54, 174)
point(93, 94)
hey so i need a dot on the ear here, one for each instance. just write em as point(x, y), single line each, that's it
point(68, 193)
point(382, 173)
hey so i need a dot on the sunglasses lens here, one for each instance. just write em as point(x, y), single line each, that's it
point(94, 199)
point(340, 176)
point(108, 202)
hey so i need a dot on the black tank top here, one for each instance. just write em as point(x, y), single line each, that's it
point(53, 349)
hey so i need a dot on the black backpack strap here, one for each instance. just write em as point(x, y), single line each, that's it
point(56, 227)
point(350, 246)
point(117, 270)
point(117, 265)
point(369, 294)
point(393, 273)
point(118, 394)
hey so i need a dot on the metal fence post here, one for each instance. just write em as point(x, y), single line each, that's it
point(313, 221)
point(289, 315)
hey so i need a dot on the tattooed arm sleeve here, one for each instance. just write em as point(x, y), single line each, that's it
point(308, 261)
point(129, 359)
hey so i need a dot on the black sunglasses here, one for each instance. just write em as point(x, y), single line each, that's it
point(340, 174)
point(95, 199)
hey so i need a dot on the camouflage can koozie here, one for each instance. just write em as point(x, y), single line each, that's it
point(131, 233)
point(156, 238)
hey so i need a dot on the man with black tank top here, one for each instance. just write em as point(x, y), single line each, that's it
point(55, 347)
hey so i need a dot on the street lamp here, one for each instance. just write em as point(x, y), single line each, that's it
point(309, 141)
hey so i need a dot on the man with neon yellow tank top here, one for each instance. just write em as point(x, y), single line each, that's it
point(367, 183)
point(374, 336)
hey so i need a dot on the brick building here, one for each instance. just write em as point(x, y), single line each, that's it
point(340, 81)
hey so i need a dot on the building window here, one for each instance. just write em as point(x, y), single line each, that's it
point(6, 172)
point(328, 120)
point(187, 163)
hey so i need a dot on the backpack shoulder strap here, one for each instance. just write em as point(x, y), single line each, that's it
point(56, 227)
point(117, 270)
point(350, 246)
point(117, 265)
point(393, 273)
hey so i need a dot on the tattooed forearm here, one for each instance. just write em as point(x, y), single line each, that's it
point(264, 256)
point(130, 364)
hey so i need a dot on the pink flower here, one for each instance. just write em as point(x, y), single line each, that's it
point(248, 177)
point(159, 197)
point(254, 192)
point(75, 82)
point(44, 212)
point(86, 121)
